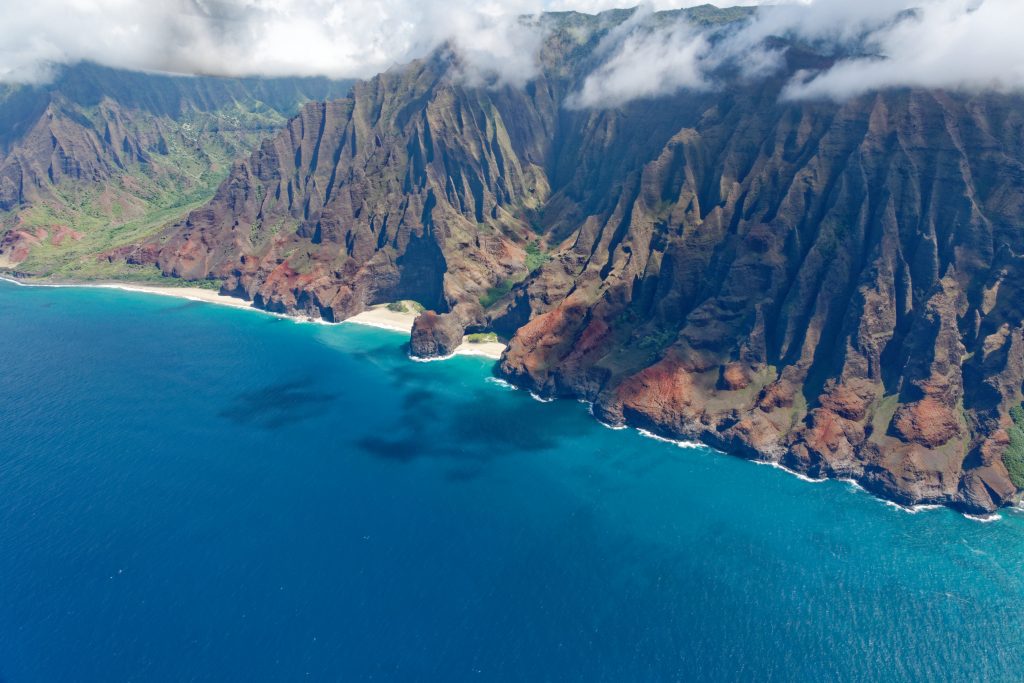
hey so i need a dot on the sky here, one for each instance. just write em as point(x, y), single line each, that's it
point(956, 44)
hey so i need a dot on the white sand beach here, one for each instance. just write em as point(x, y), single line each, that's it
point(382, 316)
point(190, 293)
point(376, 316)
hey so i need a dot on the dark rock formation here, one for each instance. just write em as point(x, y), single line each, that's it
point(435, 335)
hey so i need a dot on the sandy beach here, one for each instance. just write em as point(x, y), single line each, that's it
point(375, 316)
point(382, 316)
point(190, 293)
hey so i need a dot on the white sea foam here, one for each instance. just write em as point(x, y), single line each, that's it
point(894, 505)
point(501, 383)
point(538, 397)
point(675, 442)
point(909, 509)
point(15, 282)
point(590, 409)
point(984, 519)
point(798, 475)
point(308, 320)
point(434, 359)
point(853, 484)
point(462, 350)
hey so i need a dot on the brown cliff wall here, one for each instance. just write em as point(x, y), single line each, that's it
point(834, 286)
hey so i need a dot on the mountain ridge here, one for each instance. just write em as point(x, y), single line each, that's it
point(99, 147)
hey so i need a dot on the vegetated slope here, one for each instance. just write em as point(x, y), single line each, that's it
point(832, 286)
point(100, 158)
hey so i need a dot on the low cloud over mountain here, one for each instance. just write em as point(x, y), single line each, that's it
point(336, 38)
point(959, 44)
point(954, 44)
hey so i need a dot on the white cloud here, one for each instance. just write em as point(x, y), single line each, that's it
point(952, 44)
point(341, 38)
point(502, 48)
point(966, 44)
point(645, 60)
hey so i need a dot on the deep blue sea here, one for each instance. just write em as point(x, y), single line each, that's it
point(190, 492)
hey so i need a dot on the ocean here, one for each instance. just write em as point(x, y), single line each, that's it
point(192, 492)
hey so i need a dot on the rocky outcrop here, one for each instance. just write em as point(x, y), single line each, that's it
point(830, 286)
point(435, 335)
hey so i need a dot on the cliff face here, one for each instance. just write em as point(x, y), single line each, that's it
point(412, 188)
point(831, 286)
point(117, 154)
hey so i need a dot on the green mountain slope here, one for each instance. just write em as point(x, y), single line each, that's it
point(101, 158)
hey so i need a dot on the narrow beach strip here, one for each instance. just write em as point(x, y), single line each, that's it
point(379, 316)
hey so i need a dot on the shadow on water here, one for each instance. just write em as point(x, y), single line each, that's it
point(380, 356)
point(278, 405)
point(470, 431)
point(185, 305)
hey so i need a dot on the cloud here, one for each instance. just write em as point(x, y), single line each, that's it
point(340, 38)
point(951, 44)
point(962, 44)
point(496, 48)
point(644, 60)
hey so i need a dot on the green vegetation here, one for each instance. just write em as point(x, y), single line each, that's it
point(1014, 456)
point(127, 209)
point(535, 258)
point(495, 293)
point(142, 198)
point(481, 337)
point(99, 230)
point(656, 340)
point(882, 415)
point(406, 306)
point(212, 285)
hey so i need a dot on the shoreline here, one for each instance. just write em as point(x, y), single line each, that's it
point(380, 317)
point(375, 316)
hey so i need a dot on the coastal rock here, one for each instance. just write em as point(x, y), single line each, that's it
point(435, 335)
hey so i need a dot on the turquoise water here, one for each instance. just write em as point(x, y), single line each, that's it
point(190, 492)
